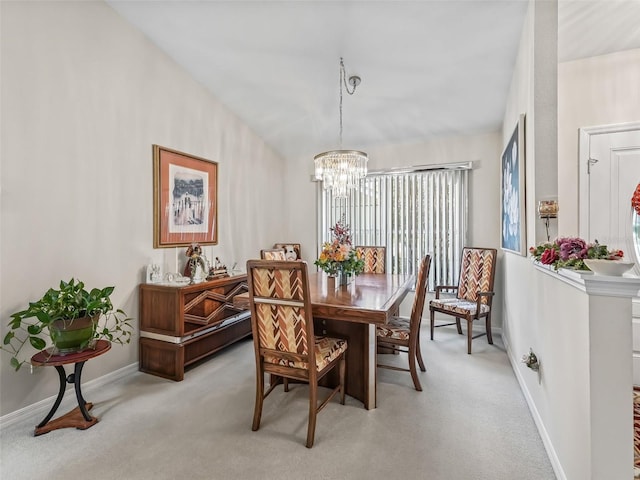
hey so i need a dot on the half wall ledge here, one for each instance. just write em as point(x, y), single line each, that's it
point(585, 401)
point(592, 284)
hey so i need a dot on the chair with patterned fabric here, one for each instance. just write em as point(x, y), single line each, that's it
point(474, 293)
point(272, 254)
point(283, 337)
point(402, 334)
point(374, 258)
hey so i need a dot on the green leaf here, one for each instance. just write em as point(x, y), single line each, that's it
point(34, 329)
point(43, 317)
point(15, 323)
point(37, 343)
point(15, 363)
point(107, 291)
point(7, 338)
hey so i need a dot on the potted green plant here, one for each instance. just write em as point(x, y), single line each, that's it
point(71, 317)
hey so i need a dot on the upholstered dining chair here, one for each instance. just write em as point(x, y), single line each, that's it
point(272, 254)
point(283, 336)
point(374, 258)
point(402, 334)
point(474, 293)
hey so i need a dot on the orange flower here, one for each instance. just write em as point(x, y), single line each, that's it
point(338, 255)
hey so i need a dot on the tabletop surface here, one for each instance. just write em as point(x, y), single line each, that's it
point(47, 358)
point(368, 290)
point(370, 298)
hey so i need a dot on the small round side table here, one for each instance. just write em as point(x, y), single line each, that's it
point(78, 417)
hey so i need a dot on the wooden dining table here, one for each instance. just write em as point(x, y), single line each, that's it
point(352, 312)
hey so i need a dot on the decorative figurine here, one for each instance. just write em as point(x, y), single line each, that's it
point(154, 273)
point(218, 270)
point(194, 253)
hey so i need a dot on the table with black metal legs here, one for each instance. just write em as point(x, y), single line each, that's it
point(78, 417)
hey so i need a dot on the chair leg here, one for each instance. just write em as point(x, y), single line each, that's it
point(489, 337)
point(419, 354)
point(257, 412)
point(285, 382)
point(432, 319)
point(342, 376)
point(412, 369)
point(469, 335)
point(459, 327)
point(313, 412)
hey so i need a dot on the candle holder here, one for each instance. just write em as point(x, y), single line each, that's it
point(547, 209)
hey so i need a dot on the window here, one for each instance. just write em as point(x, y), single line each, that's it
point(412, 213)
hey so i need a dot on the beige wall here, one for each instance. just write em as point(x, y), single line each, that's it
point(84, 96)
point(594, 91)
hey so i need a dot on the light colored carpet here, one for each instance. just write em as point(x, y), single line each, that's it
point(471, 422)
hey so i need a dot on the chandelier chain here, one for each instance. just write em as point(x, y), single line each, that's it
point(343, 80)
point(340, 170)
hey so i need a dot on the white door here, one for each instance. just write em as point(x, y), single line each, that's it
point(614, 174)
point(610, 173)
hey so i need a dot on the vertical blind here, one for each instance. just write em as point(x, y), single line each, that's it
point(412, 214)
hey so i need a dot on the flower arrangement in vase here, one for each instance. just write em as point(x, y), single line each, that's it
point(571, 252)
point(338, 258)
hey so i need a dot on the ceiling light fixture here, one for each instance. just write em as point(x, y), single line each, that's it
point(340, 170)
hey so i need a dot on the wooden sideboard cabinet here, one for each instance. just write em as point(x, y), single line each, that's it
point(180, 325)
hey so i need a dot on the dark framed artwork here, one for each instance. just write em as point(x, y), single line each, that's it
point(513, 235)
point(185, 202)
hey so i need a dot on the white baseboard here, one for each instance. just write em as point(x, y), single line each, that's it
point(548, 445)
point(40, 409)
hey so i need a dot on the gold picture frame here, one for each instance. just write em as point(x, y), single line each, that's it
point(185, 202)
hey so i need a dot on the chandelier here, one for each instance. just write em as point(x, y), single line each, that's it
point(340, 170)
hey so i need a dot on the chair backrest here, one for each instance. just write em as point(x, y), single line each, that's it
point(477, 272)
point(272, 254)
point(281, 317)
point(374, 258)
point(422, 280)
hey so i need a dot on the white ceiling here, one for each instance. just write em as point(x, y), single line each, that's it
point(428, 68)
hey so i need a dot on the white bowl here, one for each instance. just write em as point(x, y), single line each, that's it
point(612, 268)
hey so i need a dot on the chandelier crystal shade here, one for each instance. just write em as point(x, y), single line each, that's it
point(341, 170)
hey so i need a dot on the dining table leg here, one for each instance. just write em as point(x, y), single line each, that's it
point(360, 380)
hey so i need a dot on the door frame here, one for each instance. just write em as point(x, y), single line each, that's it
point(584, 148)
